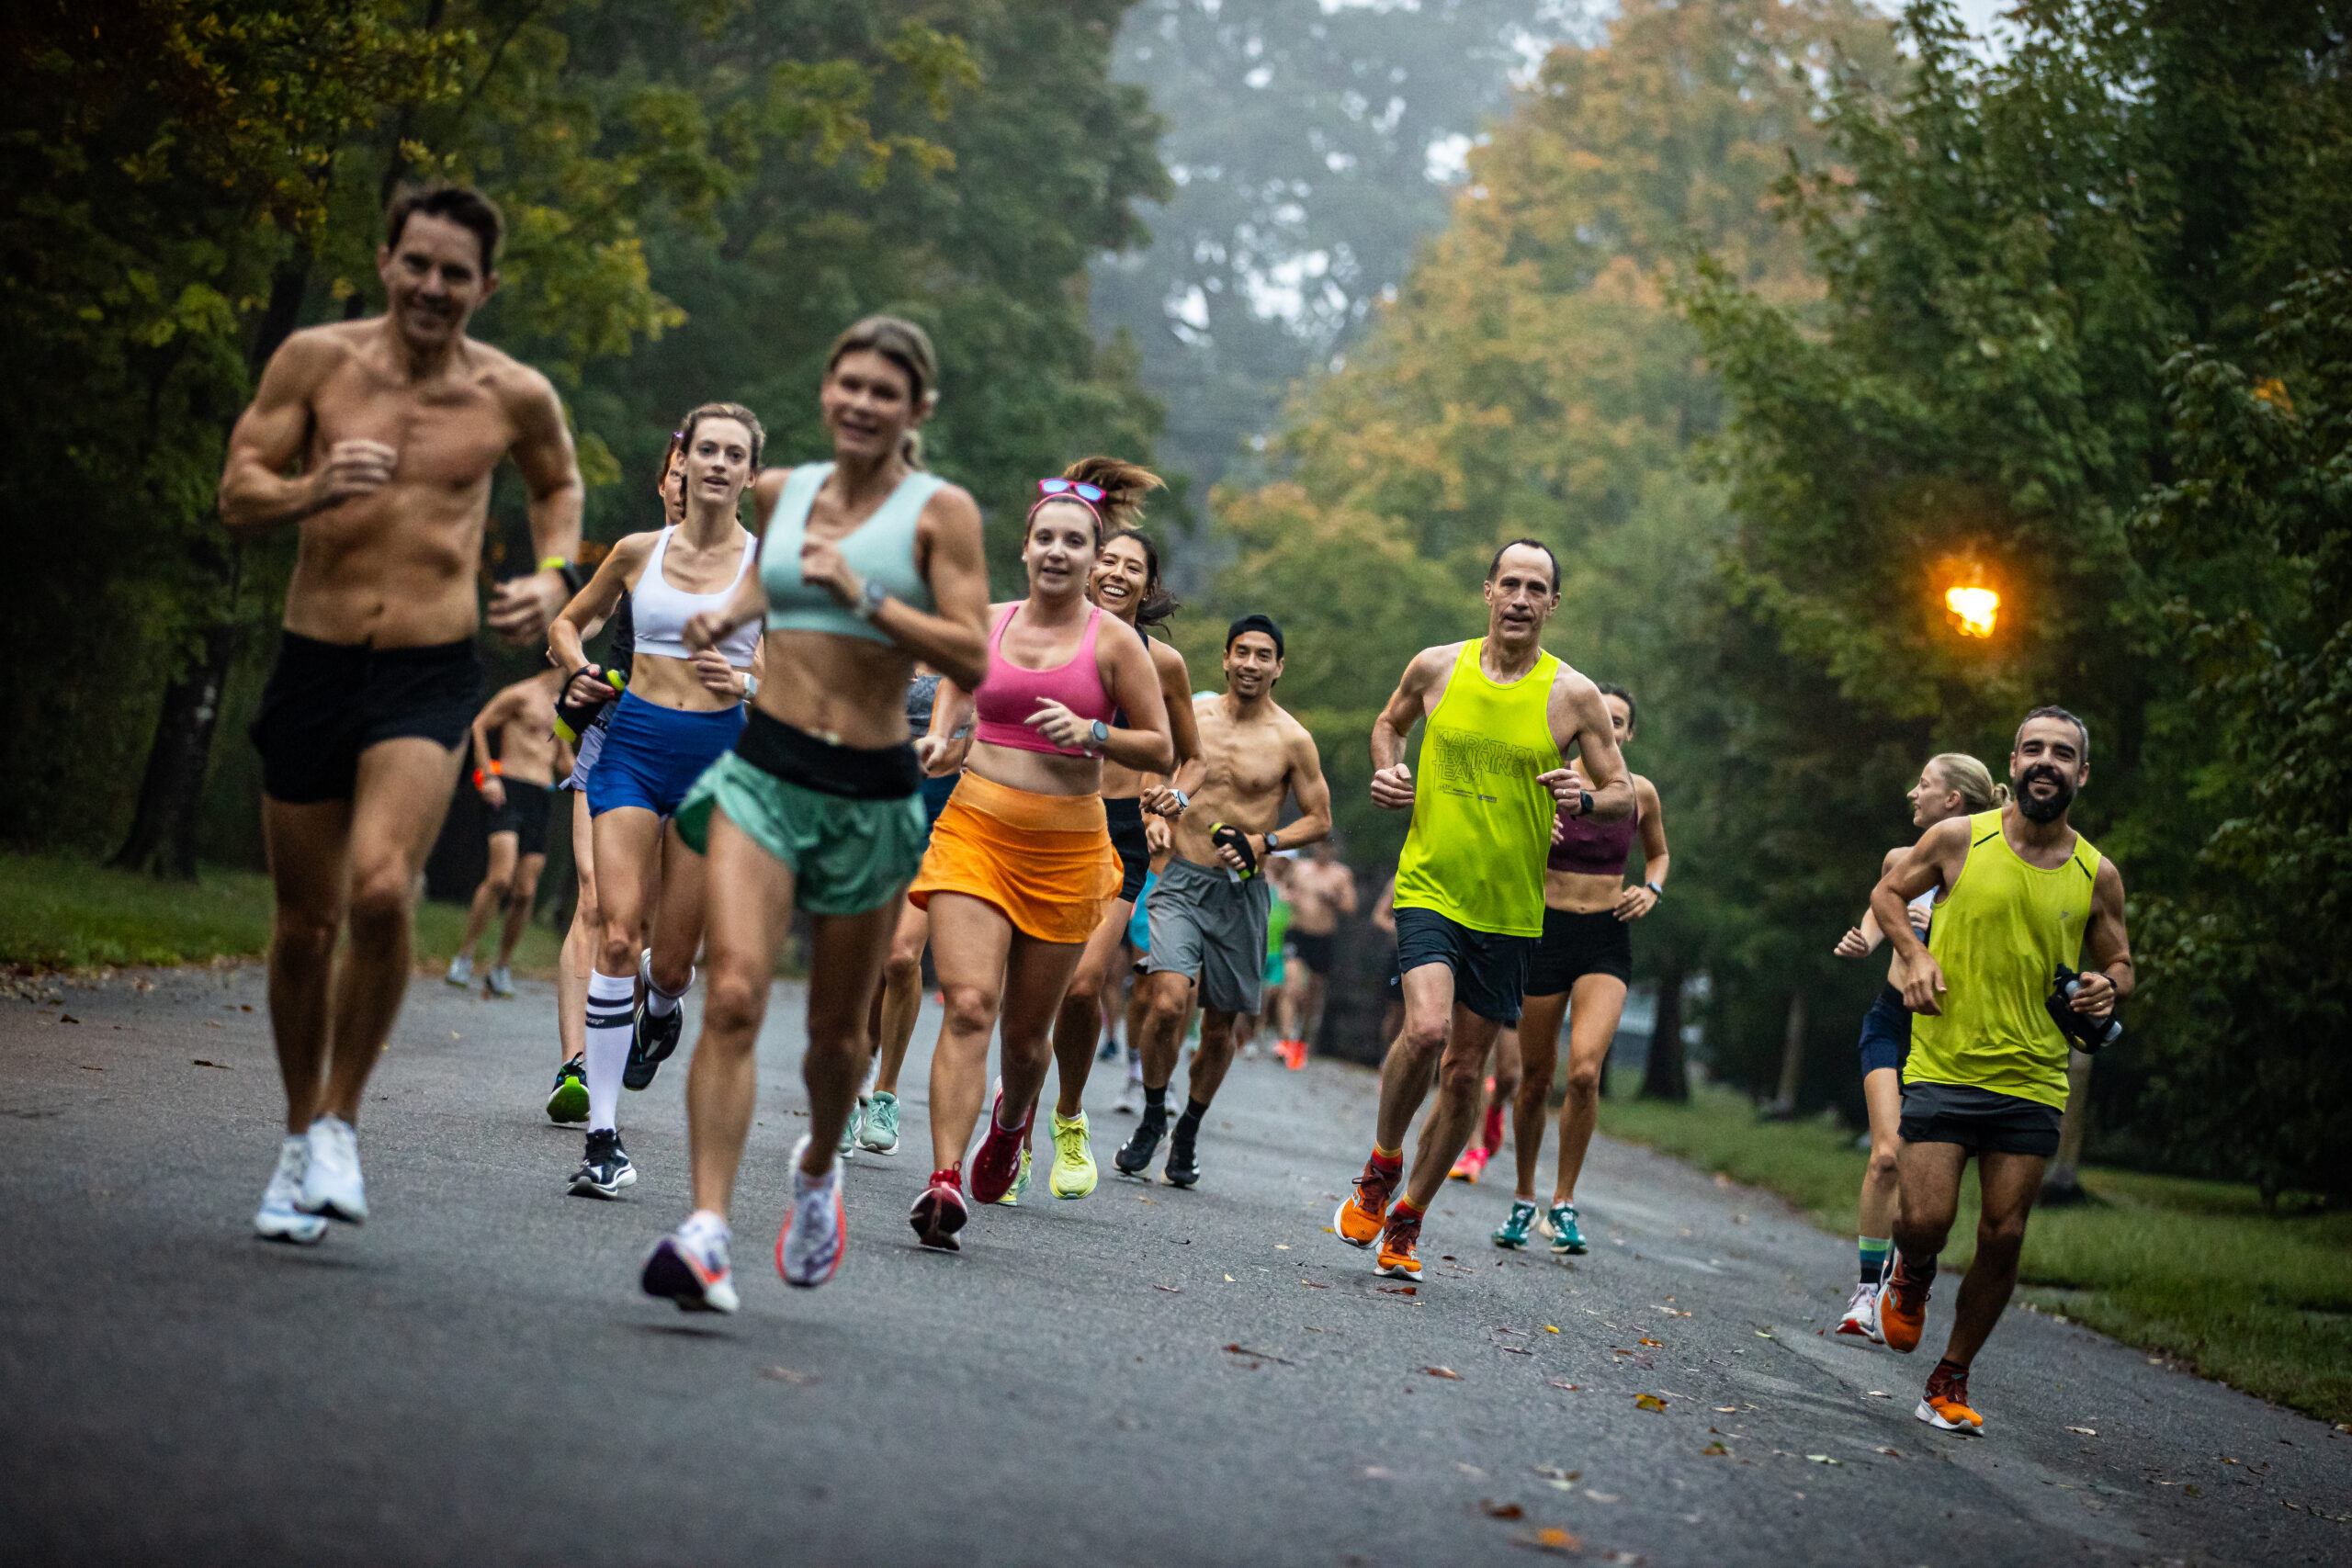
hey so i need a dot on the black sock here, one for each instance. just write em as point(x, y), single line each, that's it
point(1948, 1372)
point(1189, 1123)
point(1155, 1102)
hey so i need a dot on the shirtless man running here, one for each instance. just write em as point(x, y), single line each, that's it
point(396, 424)
point(1322, 893)
point(1209, 905)
point(516, 781)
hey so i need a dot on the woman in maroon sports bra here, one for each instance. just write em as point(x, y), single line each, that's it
point(1581, 966)
point(1020, 865)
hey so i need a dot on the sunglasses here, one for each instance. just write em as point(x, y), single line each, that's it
point(1091, 494)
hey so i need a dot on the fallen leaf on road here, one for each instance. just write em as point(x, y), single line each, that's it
point(1879, 1393)
point(1557, 1384)
point(1469, 1470)
point(1282, 1247)
point(1714, 1449)
point(1551, 1540)
point(1312, 1286)
point(787, 1375)
point(2092, 1432)
point(69, 1018)
point(1172, 1290)
point(1501, 1510)
point(1824, 1458)
point(2192, 1492)
point(1762, 1334)
point(1549, 1329)
point(1552, 1472)
point(200, 1062)
point(1268, 1355)
point(1228, 1278)
point(1648, 1402)
point(1147, 1199)
point(1726, 1409)
point(1659, 1343)
point(1602, 1496)
point(1442, 1372)
point(1513, 1351)
point(1398, 1290)
point(1327, 1229)
point(1891, 1454)
point(87, 1068)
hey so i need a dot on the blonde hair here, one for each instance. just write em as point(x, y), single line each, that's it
point(906, 345)
point(1123, 485)
point(1969, 778)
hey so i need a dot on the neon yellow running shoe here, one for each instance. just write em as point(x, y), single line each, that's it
point(1073, 1174)
point(1011, 1198)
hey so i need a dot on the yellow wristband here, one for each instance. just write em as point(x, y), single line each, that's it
point(553, 563)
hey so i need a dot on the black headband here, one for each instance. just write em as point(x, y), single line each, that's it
point(1255, 624)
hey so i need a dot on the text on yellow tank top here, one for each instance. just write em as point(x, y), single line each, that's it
point(1999, 937)
point(1481, 823)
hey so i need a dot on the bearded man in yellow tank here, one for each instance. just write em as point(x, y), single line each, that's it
point(1502, 715)
point(2025, 897)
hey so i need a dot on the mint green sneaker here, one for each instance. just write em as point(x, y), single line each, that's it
point(1511, 1235)
point(877, 1131)
point(1567, 1240)
point(848, 1147)
point(1011, 1198)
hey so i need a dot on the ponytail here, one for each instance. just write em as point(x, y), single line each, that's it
point(1969, 778)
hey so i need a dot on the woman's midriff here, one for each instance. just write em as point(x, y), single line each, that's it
point(845, 691)
point(1039, 773)
point(1579, 893)
point(670, 683)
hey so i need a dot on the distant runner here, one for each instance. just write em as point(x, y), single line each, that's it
point(2026, 898)
point(515, 778)
point(1323, 892)
point(1501, 714)
point(391, 427)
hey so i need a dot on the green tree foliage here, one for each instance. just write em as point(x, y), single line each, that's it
point(2011, 252)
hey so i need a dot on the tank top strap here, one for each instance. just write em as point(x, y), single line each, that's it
point(791, 510)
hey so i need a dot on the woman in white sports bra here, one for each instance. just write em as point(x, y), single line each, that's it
point(1952, 784)
point(682, 710)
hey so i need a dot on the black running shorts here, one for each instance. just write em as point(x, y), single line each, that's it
point(1490, 968)
point(525, 814)
point(1124, 818)
point(1574, 945)
point(327, 702)
point(1315, 949)
point(1978, 1120)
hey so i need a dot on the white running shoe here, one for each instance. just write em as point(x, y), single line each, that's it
point(809, 1248)
point(502, 982)
point(331, 1184)
point(279, 1219)
point(1130, 1101)
point(1861, 1315)
point(689, 1267)
point(462, 972)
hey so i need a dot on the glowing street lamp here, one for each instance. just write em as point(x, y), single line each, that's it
point(1974, 608)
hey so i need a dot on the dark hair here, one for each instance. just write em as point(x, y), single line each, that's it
point(1255, 623)
point(735, 412)
point(461, 205)
point(906, 345)
point(2051, 710)
point(1157, 602)
point(1496, 564)
point(1611, 689)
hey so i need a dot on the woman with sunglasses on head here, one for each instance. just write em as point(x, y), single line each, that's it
point(680, 711)
point(867, 564)
point(1021, 867)
point(1125, 582)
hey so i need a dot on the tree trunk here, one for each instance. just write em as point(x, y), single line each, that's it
point(1667, 1077)
point(1784, 1103)
point(163, 832)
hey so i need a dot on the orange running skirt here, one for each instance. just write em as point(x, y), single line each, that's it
point(1045, 860)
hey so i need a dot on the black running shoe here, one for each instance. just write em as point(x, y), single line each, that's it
point(1184, 1167)
point(604, 1168)
point(1134, 1157)
point(650, 1040)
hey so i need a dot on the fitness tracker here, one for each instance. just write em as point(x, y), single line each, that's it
point(1098, 735)
point(1584, 803)
point(1656, 891)
point(869, 600)
point(1273, 843)
point(751, 686)
point(575, 575)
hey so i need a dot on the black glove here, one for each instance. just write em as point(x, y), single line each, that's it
point(1224, 833)
point(2088, 1034)
point(572, 719)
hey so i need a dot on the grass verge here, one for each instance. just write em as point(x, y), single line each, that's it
point(2194, 1269)
point(59, 912)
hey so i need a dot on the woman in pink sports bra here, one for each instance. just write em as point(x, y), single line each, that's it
point(1020, 865)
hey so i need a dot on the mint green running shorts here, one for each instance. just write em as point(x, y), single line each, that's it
point(847, 856)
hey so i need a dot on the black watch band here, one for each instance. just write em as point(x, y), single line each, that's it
point(1584, 803)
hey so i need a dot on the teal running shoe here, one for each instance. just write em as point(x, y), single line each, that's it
point(1511, 1235)
point(848, 1147)
point(1567, 1240)
point(877, 1129)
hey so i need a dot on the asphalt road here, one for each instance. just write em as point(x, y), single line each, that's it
point(1146, 1377)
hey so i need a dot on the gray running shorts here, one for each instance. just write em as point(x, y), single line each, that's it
point(1204, 923)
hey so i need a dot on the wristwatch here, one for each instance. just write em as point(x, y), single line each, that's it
point(1098, 735)
point(1184, 801)
point(1656, 891)
point(1584, 803)
point(1273, 843)
point(869, 600)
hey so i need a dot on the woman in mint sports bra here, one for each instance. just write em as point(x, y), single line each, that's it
point(866, 565)
point(1021, 866)
point(680, 710)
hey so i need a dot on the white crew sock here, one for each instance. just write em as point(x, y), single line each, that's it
point(611, 1003)
point(659, 1003)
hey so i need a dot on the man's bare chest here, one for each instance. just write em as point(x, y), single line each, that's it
point(1242, 764)
point(447, 435)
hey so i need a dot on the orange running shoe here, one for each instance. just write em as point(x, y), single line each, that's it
point(1903, 1307)
point(1470, 1166)
point(1945, 1404)
point(1360, 1217)
point(1398, 1239)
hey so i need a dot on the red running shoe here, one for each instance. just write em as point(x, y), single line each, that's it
point(940, 1212)
point(997, 1165)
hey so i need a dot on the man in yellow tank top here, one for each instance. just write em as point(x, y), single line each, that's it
point(2025, 897)
point(1500, 714)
